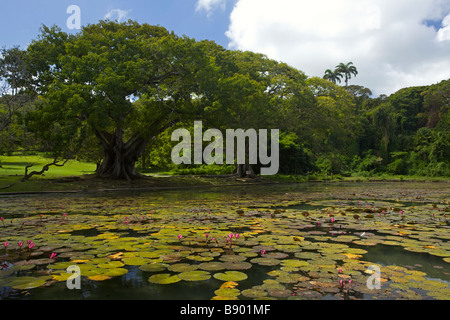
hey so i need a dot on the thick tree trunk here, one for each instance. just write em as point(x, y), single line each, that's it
point(120, 158)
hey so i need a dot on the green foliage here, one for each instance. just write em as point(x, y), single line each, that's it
point(114, 92)
point(294, 157)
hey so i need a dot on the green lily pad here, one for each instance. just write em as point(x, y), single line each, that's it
point(22, 267)
point(182, 267)
point(25, 283)
point(231, 276)
point(254, 293)
point(212, 266)
point(153, 267)
point(227, 292)
point(294, 263)
point(232, 258)
point(266, 261)
point(164, 278)
point(111, 265)
point(135, 261)
point(194, 276)
point(116, 272)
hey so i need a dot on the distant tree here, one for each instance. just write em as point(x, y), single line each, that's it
point(15, 100)
point(333, 76)
point(347, 70)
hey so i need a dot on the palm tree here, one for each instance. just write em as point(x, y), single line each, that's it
point(333, 76)
point(347, 70)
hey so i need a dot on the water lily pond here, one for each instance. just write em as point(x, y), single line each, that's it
point(306, 241)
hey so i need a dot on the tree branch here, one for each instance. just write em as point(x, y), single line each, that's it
point(44, 169)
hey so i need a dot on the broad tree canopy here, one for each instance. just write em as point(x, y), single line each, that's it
point(89, 84)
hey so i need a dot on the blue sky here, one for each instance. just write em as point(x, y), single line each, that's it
point(22, 22)
point(394, 44)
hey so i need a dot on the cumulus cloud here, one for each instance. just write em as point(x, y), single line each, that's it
point(117, 14)
point(388, 41)
point(444, 32)
point(210, 5)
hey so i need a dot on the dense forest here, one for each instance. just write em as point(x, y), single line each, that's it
point(114, 92)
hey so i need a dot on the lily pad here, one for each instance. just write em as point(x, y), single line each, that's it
point(164, 278)
point(227, 292)
point(212, 266)
point(194, 276)
point(135, 261)
point(25, 283)
point(111, 265)
point(116, 272)
point(153, 267)
point(254, 293)
point(182, 267)
point(266, 261)
point(231, 276)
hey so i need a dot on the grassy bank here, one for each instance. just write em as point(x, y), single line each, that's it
point(79, 176)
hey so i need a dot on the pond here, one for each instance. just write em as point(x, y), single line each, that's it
point(299, 241)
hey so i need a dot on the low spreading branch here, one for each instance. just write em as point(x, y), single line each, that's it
point(44, 169)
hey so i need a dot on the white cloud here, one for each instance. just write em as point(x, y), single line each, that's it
point(210, 5)
point(117, 14)
point(444, 32)
point(387, 41)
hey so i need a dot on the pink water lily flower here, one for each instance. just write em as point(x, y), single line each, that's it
point(53, 255)
point(20, 243)
point(180, 237)
point(31, 245)
point(6, 244)
point(263, 252)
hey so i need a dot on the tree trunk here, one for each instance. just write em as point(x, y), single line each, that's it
point(244, 171)
point(120, 158)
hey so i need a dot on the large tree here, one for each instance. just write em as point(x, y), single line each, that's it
point(122, 82)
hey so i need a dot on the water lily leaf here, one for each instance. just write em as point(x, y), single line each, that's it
point(194, 276)
point(26, 284)
point(294, 263)
point(227, 292)
point(240, 265)
point(279, 293)
point(266, 261)
point(231, 276)
point(182, 267)
point(116, 272)
point(199, 258)
point(153, 267)
point(232, 258)
point(229, 284)
point(254, 293)
point(111, 265)
point(164, 279)
point(212, 266)
point(135, 261)
point(99, 277)
point(64, 276)
point(20, 268)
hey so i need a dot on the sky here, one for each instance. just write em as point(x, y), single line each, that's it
point(394, 44)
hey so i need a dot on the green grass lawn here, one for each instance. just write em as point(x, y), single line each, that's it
point(15, 165)
point(12, 171)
